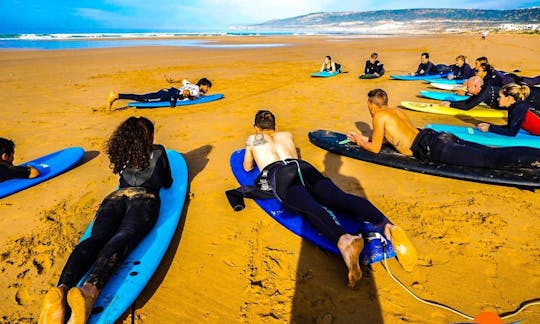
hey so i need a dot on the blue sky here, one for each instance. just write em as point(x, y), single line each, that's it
point(70, 16)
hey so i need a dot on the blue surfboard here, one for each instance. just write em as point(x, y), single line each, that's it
point(157, 104)
point(136, 270)
point(418, 77)
point(49, 166)
point(442, 95)
point(299, 225)
point(324, 74)
point(471, 134)
point(444, 80)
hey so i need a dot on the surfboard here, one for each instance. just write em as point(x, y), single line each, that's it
point(49, 166)
point(471, 134)
point(324, 74)
point(478, 111)
point(448, 86)
point(137, 269)
point(156, 104)
point(444, 80)
point(388, 156)
point(368, 76)
point(418, 77)
point(444, 96)
point(299, 225)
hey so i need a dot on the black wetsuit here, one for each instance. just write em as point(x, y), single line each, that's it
point(372, 68)
point(500, 78)
point(489, 94)
point(516, 116)
point(303, 189)
point(428, 68)
point(10, 171)
point(123, 219)
point(463, 72)
point(171, 95)
point(430, 145)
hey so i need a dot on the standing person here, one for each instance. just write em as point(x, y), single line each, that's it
point(330, 66)
point(394, 126)
point(302, 188)
point(373, 67)
point(187, 91)
point(426, 67)
point(123, 219)
point(512, 97)
point(461, 70)
point(7, 169)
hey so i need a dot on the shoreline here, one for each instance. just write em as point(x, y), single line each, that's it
point(474, 240)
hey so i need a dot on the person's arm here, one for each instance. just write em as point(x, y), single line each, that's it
point(34, 173)
point(419, 70)
point(470, 103)
point(332, 67)
point(170, 79)
point(17, 172)
point(322, 67)
point(379, 69)
point(166, 174)
point(366, 69)
point(516, 116)
point(377, 138)
point(249, 161)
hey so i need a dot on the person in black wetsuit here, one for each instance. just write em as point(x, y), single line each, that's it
point(479, 92)
point(461, 70)
point(373, 66)
point(123, 219)
point(7, 169)
point(426, 67)
point(513, 97)
point(186, 91)
point(302, 188)
point(393, 125)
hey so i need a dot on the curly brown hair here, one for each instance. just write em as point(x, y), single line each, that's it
point(130, 144)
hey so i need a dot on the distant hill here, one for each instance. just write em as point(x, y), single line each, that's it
point(410, 20)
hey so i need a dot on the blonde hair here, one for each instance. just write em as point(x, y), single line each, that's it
point(519, 92)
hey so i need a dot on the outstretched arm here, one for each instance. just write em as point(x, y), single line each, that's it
point(248, 157)
point(377, 137)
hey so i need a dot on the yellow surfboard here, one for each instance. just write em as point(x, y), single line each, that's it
point(478, 111)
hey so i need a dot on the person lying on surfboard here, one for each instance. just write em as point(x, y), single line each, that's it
point(461, 70)
point(123, 219)
point(426, 67)
point(302, 188)
point(395, 127)
point(187, 91)
point(512, 97)
point(7, 169)
point(330, 66)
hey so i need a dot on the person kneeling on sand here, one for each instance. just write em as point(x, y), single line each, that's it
point(123, 219)
point(7, 169)
point(187, 91)
point(302, 188)
point(393, 125)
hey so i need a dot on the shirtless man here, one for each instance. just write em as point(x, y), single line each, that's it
point(393, 125)
point(301, 188)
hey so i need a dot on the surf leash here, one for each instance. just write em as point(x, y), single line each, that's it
point(503, 316)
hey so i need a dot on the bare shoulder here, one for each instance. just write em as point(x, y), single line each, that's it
point(287, 135)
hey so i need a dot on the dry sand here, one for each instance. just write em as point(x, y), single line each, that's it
point(478, 244)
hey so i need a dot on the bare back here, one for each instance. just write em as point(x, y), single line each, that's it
point(398, 128)
point(268, 147)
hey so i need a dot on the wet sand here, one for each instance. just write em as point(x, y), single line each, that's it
point(478, 244)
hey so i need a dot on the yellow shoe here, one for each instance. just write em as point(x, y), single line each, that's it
point(406, 252)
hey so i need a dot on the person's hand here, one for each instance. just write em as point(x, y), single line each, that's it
point(357, 138)
point(169, 79)
point(460, 92)
point(450, 77)
point(445, 103)
point(376, 74)
point(483, 127)
point(33, 172)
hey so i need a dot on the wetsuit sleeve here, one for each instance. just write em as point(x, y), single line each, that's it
point(420, 68)
point(165, 168)
point(431, 68)
point(13, 172)
point(366, 69)
point(472, 101)
point(467, 72)
point(380, 68)
point(516, 116)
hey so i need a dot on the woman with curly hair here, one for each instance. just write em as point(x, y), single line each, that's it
point(123, 219)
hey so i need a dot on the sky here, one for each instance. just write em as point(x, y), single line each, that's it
point(79, 16)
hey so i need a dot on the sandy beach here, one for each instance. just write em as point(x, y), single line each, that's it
point(478, 244)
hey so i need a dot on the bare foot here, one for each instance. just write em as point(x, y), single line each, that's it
point(350, 247)
point(80, 300)
point(405, 250)
point(113, 96)
point(54, 308)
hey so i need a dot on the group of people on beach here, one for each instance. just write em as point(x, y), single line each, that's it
point(127, 214)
